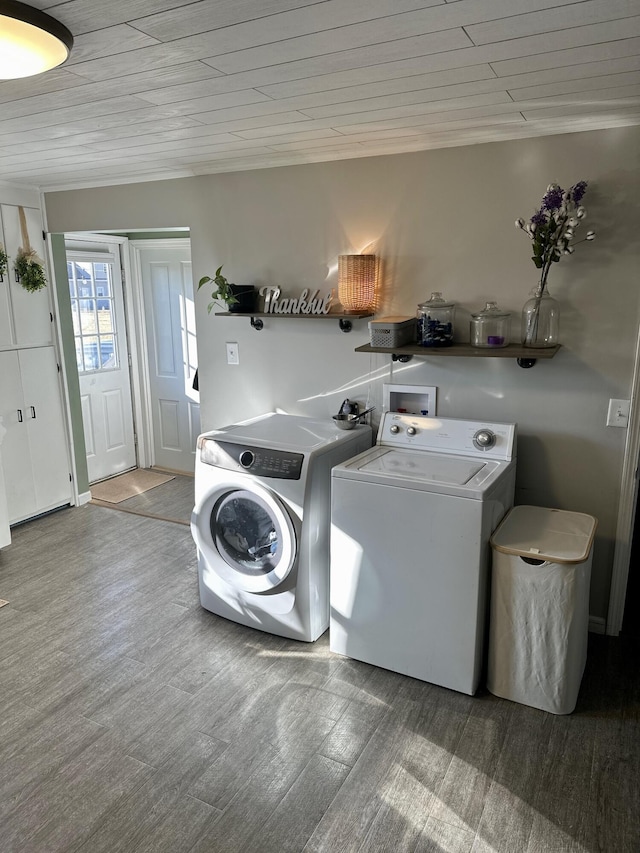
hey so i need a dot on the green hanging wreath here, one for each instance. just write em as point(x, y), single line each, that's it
point(30, 271)
point(4, 260)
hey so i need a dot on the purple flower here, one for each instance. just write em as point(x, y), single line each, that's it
point(553, 198)
point(578, 191)
point(551, 228)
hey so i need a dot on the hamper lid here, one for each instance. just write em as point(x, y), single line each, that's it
point(553, 535)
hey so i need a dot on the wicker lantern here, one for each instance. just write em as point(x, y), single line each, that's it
point(356, 282)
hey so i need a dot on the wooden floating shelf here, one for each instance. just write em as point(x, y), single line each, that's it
point(466, 351)
point(344, 320)
point(329, 316)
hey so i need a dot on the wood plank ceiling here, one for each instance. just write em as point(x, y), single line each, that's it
point(159, 89)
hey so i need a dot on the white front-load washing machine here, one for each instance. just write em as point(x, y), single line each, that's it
point(411, 521)
point(262, 517)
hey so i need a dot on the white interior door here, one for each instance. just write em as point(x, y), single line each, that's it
point(97, 303)
point(171, 351)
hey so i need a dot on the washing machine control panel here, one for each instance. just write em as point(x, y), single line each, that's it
point(448, 435)
point(259, 461)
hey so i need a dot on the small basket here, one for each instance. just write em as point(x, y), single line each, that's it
point(392, 331)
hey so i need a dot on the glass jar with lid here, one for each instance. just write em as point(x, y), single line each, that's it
point(435, 322)
point(490, 327)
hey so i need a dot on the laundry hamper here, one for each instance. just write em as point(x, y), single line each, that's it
point(539, 616)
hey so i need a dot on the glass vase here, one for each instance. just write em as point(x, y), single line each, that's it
point(540, 320)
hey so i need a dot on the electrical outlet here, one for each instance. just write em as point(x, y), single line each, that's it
point(233, 353)
point(618, 413)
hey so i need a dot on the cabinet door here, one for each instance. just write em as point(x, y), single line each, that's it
point(33, 445)
point(31, 311)
point(5, 533)
point(6, 328)
point(44, 420)
point(14, 441)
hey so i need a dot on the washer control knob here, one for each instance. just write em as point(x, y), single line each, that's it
point(484, 439)
point(411, 431)
point(247, 458)
point(394, 429)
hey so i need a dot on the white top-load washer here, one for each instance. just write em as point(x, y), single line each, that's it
point(262, 517)
point(410, 554)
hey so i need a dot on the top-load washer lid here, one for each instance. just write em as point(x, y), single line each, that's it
point(288, 432)
point(445, 474)
point(428, 467)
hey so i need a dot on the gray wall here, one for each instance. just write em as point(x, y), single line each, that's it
point(440, 220)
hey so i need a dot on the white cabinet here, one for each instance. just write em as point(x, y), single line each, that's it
point(25, 318)
point(6, 314)
point(5, 532)
point(34, 447)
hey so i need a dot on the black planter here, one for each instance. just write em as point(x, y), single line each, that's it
point(246, 296)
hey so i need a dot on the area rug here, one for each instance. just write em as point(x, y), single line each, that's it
point(128, 485)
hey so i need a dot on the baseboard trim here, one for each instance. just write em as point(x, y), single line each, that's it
point(83, 498)
point(597, 624)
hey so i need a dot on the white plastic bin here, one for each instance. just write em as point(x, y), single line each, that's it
point(539, 618)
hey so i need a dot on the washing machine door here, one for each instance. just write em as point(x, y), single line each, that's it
point(247, 537)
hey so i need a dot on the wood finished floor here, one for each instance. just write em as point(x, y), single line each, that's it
point(132, 720)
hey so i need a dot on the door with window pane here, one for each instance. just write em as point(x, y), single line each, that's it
point(97, 306)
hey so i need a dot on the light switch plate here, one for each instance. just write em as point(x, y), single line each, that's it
point(233, 353)
point(618, 413)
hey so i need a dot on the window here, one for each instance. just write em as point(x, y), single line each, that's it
point(94, 323)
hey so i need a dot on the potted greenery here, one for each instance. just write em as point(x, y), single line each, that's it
point(233, 297)
point(4, 261)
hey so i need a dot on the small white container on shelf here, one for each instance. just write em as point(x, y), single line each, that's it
point(392, 331)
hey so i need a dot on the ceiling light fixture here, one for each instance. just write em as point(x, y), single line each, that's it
point(30, 41)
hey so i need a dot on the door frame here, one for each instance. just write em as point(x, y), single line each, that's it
point(134, 277)
point(77, 498)
point(133, 312)
point(626, 506)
